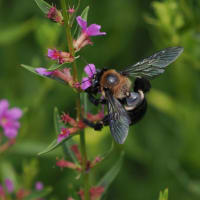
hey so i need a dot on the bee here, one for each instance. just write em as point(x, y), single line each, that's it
point(127, 106)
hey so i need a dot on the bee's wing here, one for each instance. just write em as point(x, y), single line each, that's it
point(154, 65)
point(118, 119)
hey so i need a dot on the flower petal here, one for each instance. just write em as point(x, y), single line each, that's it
point(90, 70)
point(3, 106)
point(42, 71)
point(14, 113)
point(82, 23)
point(94, 30)
point(86, 83)
point(10, 132)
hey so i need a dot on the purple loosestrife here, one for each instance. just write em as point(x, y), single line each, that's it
point(9, 119)
point(90, 70)
point(87, 32)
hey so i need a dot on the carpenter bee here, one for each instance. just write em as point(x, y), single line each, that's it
point(126, 106)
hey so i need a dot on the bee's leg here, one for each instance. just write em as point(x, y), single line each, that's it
point(138, 113)
point(98, 125)
point(96, 101)
point(142, 84)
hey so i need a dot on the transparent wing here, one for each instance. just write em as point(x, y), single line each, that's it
point(118, 119)
point(154, 65)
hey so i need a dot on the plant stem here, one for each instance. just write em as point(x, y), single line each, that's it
point(78, 106)
point(69, 37)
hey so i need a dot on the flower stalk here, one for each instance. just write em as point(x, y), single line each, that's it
point(69, 37)
point(78, 106)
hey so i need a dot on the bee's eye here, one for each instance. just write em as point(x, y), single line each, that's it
point(112, 79)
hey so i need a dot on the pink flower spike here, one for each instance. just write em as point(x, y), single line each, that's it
point(9, 185)
point(2, 193)
point(39, 185)
point(90, 70)
point(86, 83)
point(43, 71)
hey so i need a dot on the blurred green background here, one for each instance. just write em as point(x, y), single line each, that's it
point(162, 151)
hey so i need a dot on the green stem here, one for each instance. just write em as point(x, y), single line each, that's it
point(75, 77)
point(69, 37)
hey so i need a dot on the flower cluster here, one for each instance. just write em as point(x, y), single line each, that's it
point(9, 119)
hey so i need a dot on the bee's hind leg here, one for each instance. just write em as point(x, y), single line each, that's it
point(98, 125)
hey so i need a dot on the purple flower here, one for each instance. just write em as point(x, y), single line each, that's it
point(84, 38)
point(92, 30)
point(53, 54)
point(43, 71)
point(90, 70)
point(9, 185)
point(64, 134)
point(9, 119)
point(39, 185)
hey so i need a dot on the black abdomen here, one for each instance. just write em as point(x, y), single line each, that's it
point(138, 113)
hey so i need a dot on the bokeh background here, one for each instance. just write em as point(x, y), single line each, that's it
point(162, 151)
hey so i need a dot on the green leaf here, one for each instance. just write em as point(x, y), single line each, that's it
point(84, 15)
point(38, 194)
point(43, 5)
point(164, 195)
point(57, 66)
point(109, 177)
point(32, 69)
point(57, 121)
point(55, 144)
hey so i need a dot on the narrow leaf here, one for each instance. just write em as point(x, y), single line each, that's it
point(38, 194)
point(109, 177)
point(57, 66)
point(57, 121)
point(43, 5)
point(55, 144)
point(32, 69)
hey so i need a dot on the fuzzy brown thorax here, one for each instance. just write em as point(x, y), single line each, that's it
point(118, 84)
